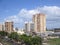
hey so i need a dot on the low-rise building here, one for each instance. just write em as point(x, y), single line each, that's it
point(19, 31)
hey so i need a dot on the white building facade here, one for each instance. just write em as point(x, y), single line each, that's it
point(29, 27)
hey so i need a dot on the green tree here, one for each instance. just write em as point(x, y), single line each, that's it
point(36, 40)
point(14, 36)
point(26, 39)
point(3, 33)
point(29, 40)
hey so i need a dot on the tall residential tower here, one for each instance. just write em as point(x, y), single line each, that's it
point(39, 23)
point(9, 27)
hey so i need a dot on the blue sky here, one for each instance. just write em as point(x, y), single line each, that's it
point(16, 10)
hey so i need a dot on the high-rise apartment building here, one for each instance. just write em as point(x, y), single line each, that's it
point(29, 27)
point(9, 27)
point(39, 23)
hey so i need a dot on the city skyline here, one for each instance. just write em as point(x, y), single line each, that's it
point(20, 11)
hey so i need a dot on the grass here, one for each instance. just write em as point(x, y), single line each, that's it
point(55, 41)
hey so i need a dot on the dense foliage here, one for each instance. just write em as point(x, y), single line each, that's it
point(27, 40)
point(14, 36)
point(3, 33)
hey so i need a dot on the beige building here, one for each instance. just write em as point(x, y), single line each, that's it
point(9, 27)
point(39, 23)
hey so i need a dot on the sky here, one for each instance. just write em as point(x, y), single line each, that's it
point(20, 11)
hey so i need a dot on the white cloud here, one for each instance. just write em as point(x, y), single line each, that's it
point(27, 13)
point(22, 16)
point(52, 13)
